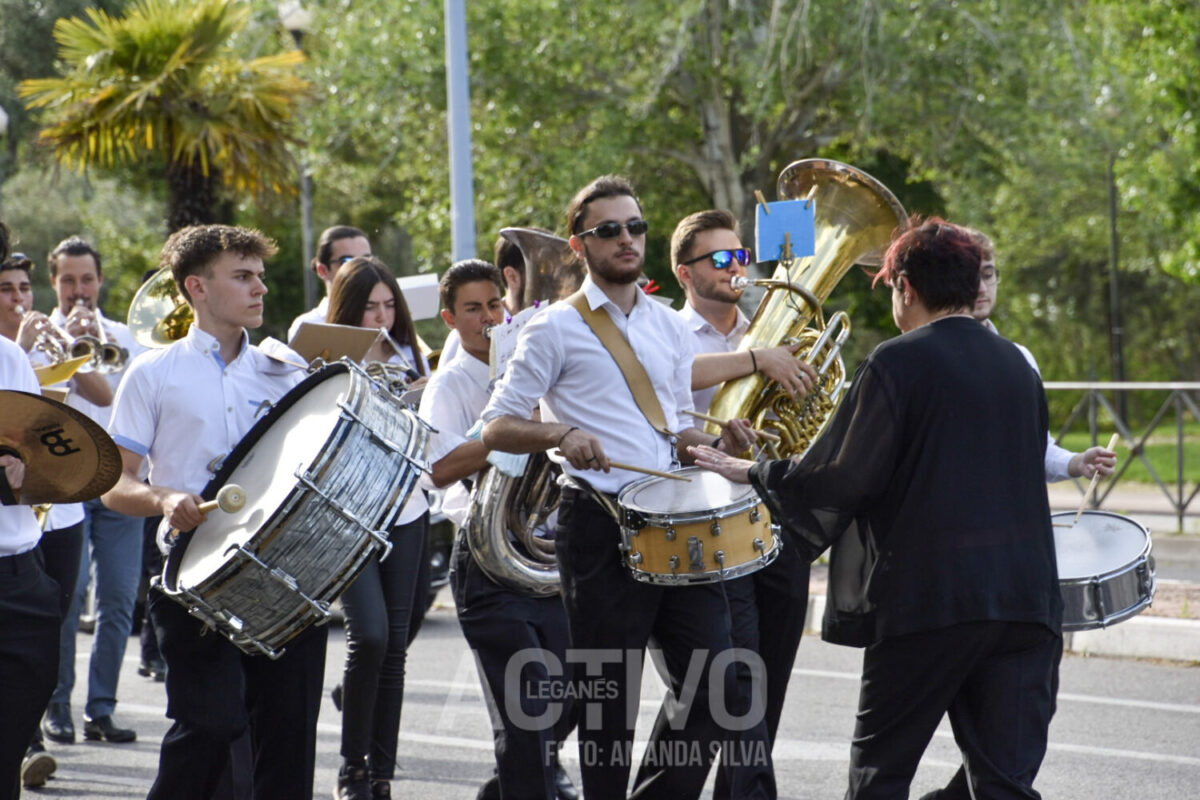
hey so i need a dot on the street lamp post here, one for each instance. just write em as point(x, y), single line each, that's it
point(298, 21)
point(458, 96)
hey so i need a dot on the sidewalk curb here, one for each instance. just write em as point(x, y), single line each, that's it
point(1139, 637)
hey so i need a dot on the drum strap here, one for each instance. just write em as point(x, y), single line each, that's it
point(631, 368)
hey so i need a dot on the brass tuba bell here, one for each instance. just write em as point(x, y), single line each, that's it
point(856, 216)
point(158, 314)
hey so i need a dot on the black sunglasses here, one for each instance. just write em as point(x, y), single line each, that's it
point(611, 230)
point(721, 259)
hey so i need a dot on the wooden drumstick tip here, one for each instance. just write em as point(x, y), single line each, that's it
point(230, 498)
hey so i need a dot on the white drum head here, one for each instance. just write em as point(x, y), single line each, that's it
point(267, 473)
point(707, 491)
point(1099, 543)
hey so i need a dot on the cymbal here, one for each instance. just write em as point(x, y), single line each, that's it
point(68, 457)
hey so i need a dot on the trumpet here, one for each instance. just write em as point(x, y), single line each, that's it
point(108, 356)
point(58, 346)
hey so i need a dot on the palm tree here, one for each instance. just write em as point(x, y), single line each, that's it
point(165, 81)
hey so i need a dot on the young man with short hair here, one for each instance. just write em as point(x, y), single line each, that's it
point(337, 245)
point(182, 409)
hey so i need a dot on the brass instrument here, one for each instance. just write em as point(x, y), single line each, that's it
point(502, 503)
point(158, 314)
point(107, 357)
point(856, 216)
point(66, 355)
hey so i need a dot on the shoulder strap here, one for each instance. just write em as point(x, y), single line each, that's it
point(631, 369)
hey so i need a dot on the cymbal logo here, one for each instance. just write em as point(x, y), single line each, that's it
point(52, 437)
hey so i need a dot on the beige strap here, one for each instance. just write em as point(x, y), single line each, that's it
point(621, 351)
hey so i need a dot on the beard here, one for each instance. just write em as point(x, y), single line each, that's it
point(612, 272)
point(715, 290)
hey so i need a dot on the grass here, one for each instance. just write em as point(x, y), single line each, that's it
point(1160, 450)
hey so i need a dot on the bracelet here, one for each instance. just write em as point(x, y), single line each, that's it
point(753, 360)
point(560, 439)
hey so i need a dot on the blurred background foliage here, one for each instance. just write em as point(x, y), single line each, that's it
point(1016, 119)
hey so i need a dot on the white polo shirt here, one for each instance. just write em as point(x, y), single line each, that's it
point(451, 403)
point(318, 314)
point(19, 530)
point(183, 408)
point(707, 339)
point(558, 358)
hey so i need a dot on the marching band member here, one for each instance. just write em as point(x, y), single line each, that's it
point(768, 606)
point(182, 408)
point(113, 541)
point(560, 361)
point(500, 623)
point(509, 260)
point(337, 245)
point(62, 546)
point(30, 615)
point(386, 602)
point(963, 612)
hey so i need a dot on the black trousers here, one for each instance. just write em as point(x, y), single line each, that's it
point(520, 645)
point(768, 608)
point(214, 691)
point(61, 553)
point(29, 630)
point(380, 608)
point(612, 617)
point(995, 679)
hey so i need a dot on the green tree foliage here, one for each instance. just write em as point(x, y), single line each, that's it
point(164, 80)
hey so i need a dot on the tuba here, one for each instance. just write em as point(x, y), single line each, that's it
point(856, 216)
point(158, 315)
point(503, 503)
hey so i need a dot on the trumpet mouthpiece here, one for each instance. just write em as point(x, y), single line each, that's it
point(740, 282)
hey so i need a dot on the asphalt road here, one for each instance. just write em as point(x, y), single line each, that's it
point(1124, 729)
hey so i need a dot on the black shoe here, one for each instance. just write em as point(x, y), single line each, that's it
point(37, 767)
point(104, 728)
point(352, 784)
point(154, 668)
point(57, 724)
point(563, 786)
point(381, 789)
point(490, 789)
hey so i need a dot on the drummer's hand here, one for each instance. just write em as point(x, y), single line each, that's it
point(583, 451)
point(14, 471)
point(1091, 461)
point(182, 510)
point(780, 364)
point(725, 465)
point(737, 437)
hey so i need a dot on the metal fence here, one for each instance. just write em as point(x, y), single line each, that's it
point(1179, 400)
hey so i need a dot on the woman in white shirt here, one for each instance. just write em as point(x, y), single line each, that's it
point(384, 606)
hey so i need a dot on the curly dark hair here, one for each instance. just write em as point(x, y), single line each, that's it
point(192, 250)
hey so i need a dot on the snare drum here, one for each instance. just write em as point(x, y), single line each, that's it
point(326, 471)
point(1105, 569)
point(676, 533)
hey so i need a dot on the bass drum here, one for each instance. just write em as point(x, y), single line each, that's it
point(325, 473)
point(1105, 569)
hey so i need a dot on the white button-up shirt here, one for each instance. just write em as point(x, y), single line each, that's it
point(451, 403)
point(1058, 459)
point(19, 530)
point(61, 515)
point(318, 314)
point(183, 408)
point(707, 339)
point(558, 358)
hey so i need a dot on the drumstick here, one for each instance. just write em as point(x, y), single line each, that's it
point(230, 498)
point(1091, 486)
point(770, 437)
point(643, 470)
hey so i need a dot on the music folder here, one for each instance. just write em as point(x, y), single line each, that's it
point(331, 342)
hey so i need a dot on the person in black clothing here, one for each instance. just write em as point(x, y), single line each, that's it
point(930, 486)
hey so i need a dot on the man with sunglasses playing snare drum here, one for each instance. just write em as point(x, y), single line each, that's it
point(768, 607)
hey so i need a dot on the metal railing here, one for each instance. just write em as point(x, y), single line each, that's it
point(1177, 400)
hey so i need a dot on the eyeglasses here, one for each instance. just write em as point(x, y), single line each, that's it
point(611, 230)
point(989, 275)
point(722, 259)
point(337, 262)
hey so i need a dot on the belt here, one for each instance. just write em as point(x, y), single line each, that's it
point(20, 562)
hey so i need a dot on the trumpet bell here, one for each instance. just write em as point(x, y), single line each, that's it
point(158, 314)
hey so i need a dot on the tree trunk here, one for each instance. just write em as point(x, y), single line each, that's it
point(192, 197)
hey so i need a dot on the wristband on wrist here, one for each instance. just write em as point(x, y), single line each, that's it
point(560, 439)
point(753, 360)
